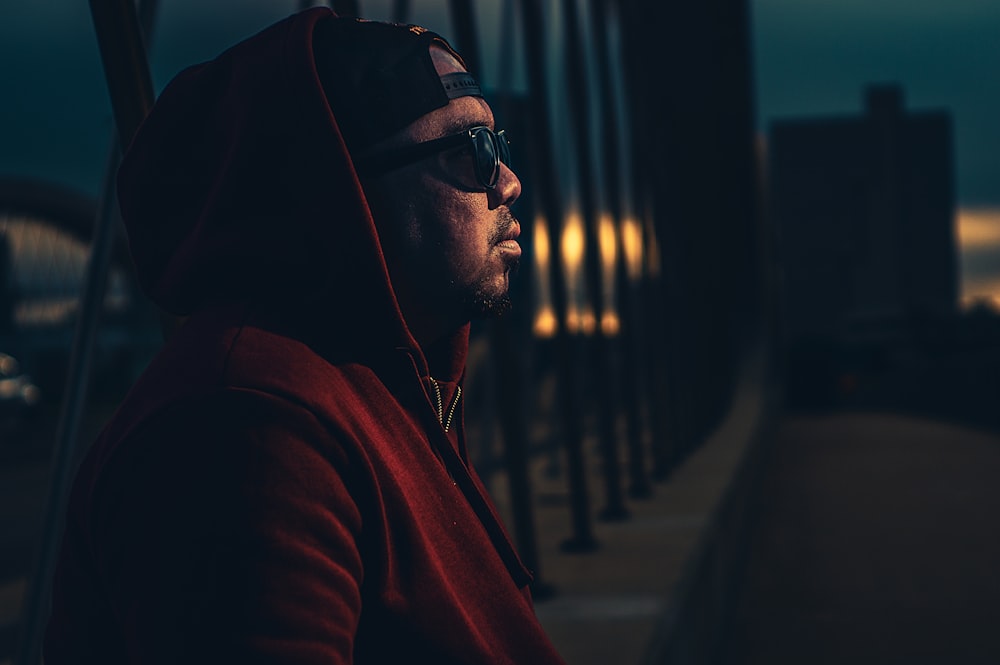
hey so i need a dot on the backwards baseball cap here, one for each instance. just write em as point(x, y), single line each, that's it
point(379, 77)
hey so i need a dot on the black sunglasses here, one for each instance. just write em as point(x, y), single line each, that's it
point(489, 150)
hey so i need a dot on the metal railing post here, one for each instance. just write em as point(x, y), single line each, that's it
point(466, 40)
point(631, 330)
point(582, 539)
point(601, 347)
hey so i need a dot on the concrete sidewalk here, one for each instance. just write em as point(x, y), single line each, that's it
point(880, 544)
point(622, 604)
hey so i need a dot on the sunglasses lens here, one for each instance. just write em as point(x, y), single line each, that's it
point(487, 169)
point(504, 146)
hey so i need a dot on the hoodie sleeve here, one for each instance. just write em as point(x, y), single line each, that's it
point(231, 535)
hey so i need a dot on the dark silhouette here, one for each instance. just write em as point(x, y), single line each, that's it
point(864, 208)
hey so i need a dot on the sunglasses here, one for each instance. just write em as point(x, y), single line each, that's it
point(489, 150)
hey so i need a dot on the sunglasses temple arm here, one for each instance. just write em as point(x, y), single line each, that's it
point(374, 165)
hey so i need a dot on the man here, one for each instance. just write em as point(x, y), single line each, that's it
point(328, 204)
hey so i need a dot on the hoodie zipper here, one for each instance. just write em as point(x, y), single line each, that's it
point(455, 467)
point(440, 404)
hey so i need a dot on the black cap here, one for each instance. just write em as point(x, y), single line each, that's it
point(379, 77)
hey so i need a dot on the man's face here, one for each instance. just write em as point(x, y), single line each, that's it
point(449, 242)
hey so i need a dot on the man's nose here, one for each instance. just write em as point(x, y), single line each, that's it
point(507, 190)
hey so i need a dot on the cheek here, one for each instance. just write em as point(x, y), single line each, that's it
point(469, 237)
point(460, 223)
point(439, 230)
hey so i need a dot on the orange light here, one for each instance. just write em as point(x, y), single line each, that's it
point(546, 323)
point(609, 244)
point(632, 247)
point(541, 232)
point(573, 242)
point(978, 230)
point(981, 293)
point(610, 324)
point(978, 227)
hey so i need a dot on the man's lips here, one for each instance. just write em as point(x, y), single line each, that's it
point(509, 245)
point(509, 239)
point(513, 231)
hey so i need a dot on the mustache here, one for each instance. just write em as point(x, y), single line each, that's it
point(505, 220)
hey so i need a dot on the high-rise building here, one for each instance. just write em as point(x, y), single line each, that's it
point(864, 208)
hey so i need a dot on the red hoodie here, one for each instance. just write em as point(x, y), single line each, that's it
point(277, 487)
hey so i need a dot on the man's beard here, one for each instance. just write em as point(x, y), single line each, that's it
point(482, 305)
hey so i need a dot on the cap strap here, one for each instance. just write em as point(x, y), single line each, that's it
point(460, 84)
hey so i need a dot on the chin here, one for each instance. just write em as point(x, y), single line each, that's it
point(483, 306)
point(495, 307)
point(491, 298)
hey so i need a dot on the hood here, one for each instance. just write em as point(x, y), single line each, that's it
point(238, 186)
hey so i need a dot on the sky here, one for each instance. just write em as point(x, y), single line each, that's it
point(814, 57)
point(811, 58)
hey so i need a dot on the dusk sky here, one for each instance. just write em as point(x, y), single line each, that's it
point(811, 57)
point(814, 57)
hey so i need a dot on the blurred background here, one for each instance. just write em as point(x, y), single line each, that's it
point(746, 408)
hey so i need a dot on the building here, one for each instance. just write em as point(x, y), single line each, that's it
point(864, 208)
